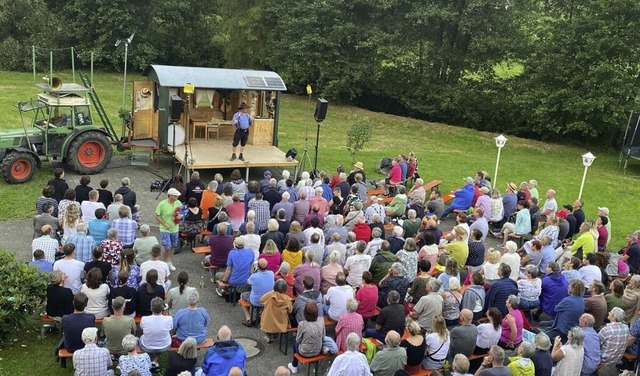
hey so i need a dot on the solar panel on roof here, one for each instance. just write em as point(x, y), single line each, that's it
point(274, 82)
point(255, 81)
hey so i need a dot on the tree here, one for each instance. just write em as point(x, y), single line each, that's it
point(358, 135)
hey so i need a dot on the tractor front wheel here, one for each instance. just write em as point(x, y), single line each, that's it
point(18, 167)
point(89, 153)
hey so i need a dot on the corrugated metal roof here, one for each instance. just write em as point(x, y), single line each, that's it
point(216, 78)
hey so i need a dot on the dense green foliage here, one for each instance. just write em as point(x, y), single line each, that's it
point(554, 70)
point(22, 292)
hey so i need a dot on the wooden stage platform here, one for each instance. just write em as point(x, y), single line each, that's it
point(212, 154)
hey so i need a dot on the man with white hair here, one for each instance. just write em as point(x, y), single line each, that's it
point(282, 370)
point(83, 242)
point(224, 355)
point(374, 208)
point(613, 338)
point(113, 209)
point(375, 243)
point(391, 358)
point(336, 245)
point(460, 365)
point(591, 345)
point(126, 227)
point(319, 201)
point(550, 205)
point(92, 360)
point(396, 241)
point(604, 212)
point(301, 207)
point(282, 183)
point(352, 362)
point(285, 205)
point(88, 208)
point(271, 194)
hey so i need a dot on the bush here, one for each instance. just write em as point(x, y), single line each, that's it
point(22, 294)
point(358, 135)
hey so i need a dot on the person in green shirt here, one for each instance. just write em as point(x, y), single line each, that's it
point(458, 249)
point(167, 218)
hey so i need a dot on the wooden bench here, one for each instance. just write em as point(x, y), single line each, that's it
point(246, 304)
point(448, 197)
point(386, 200)
point(284, 337)
point(311, 361)
point(205, 345)
point(201, 250)
point(630, 357)
point(425, 372)
point(433, 184)
point(63, 355)
point(375, 192)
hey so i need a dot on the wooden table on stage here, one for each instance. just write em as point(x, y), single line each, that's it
point(198, 123)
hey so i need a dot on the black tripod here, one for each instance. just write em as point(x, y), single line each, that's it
point(304, 159)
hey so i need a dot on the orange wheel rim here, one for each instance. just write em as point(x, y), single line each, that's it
point(91, 154)
point(20, 170)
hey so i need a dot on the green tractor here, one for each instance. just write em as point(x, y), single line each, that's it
point(62, 127)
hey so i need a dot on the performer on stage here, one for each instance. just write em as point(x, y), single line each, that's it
point(242, 121)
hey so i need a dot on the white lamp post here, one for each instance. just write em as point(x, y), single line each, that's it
point(500, 141)
point(587, 160)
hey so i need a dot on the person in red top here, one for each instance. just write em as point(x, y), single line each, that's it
point(394, 177)
point(362, 230)
point(335, 179)
point(603, 234)
point(367, 296)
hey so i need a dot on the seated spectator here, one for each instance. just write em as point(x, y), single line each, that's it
point(596, 305)
point(284, 273)
point(391, 358)
point(541, 357)
point(521, 364)
point(351, 362)
point(361, 229)
point(131, 360)
point(126, 227)
point(512, 325)
point(489, 333)
point(74, 324)
point(460, 365)
point(614, 298)
point(429, 252)
point(500, 290)
point(70, 222)
point(473, 297)
point(261, 282)
point(148, 291)
point(554, 289)
point(534, 258)
point(47, 199)
point(376, 242)
point(142, 245)
point(104, 266)
point(83, 242)
point(238, 269)
point(40, 262)
point(381, 262)
point(336, 298)
point(274, 235)
point(92, 359)
point(463, 336)
point(451, 305)
point(89, 207)
point(308, 268)
point(476, 251)
point(398, 205)
point(378, 224)
point(156, 337)
point(292, 253)
point(415, 347)
point(493, 364)
point(408, 257)
point(428, 306)
point(235, 212)
point(521, 227)
point(317, 247)
point(568, 311)
point(329, 272)
point(225, 354)
point(46, 243)
point(221, 244)
point(529, 289)
point(46, 218)
point(309, 294)
point(184, 359)
point(295, 232)
point(391, 318)
point(59, 298)
point(630, 299)
point(112, 247)
point(373, 209)
point(418, 287)
point(73, 269)
point(490, 267)
point(438, 344)
point(271, 255)
point(97, 293)
point(283, 223)
point(590, 271)
point(350, 322)
point(357, 264)
point(592, 354)
point(367, 297)
point(127, 263)
point(393, 281)
point(251, 240)
point(178, 297)
point(116, 327)
point(569, 357)
point(458, 249)
point(129, 294)
point(451, 270)
point(462, 200)
point(511, 258)
point(479, 223)
point(275, 315)
point(396, 240)
point(191, 321)
point(613, 338)
point(162, 268)
point(309, 337)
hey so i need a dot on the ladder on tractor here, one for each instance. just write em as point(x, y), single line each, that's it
point(139, 156)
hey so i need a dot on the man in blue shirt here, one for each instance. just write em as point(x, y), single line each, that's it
point(261, 282)
point(568, 312)
point(242, 121)
point(591, 345)
point(239, 263)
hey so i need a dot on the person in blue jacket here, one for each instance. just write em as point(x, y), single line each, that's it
point(223, 355)
point(463, 198)
point(554, 289)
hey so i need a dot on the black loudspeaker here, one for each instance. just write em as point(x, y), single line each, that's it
point(291, 154)
point(176, 107)
point(321, 109)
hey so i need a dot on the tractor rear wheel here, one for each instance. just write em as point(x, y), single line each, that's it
point(89, 153)
point(18, 167)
